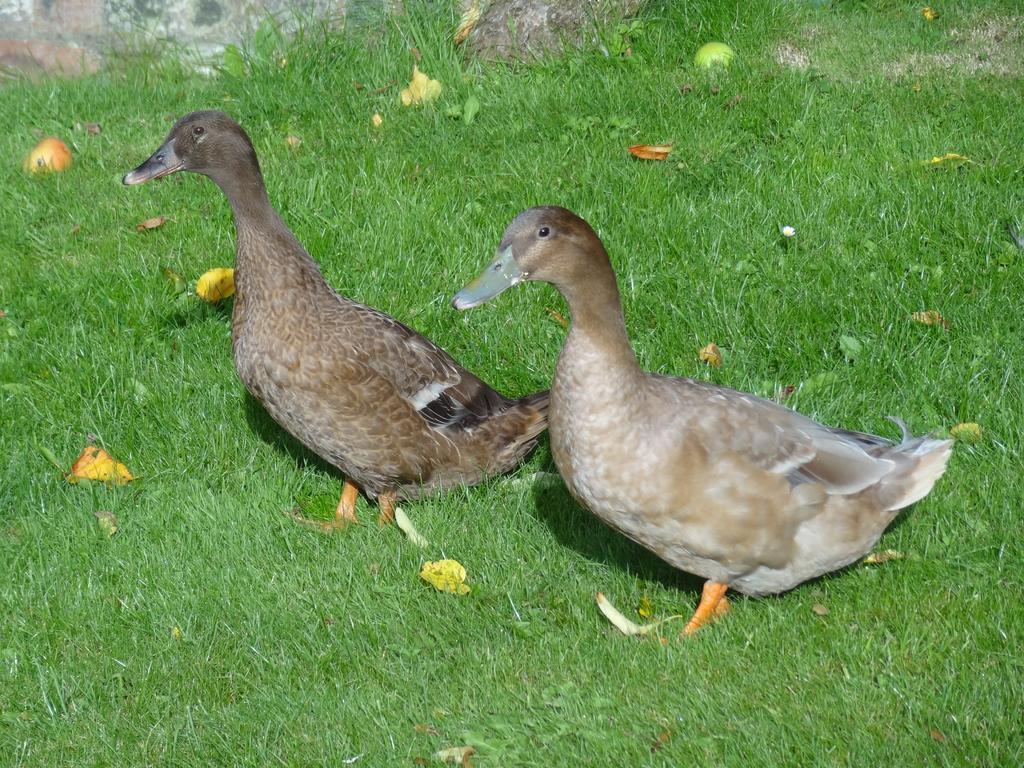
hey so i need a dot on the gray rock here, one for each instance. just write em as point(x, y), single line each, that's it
point(524, 29)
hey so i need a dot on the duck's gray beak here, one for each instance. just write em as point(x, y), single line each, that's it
point(502, 273)
point(161, 163)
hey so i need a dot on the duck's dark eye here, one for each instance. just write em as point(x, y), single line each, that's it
point(198, 130)
point(543, 232)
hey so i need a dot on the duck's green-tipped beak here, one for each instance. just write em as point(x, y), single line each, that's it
point(502, 273)
point(161, 163)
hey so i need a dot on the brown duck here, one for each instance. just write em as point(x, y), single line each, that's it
point(386, 406)
point(743, 492)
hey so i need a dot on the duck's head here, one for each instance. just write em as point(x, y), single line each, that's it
point(547, 243)
point(206, 142)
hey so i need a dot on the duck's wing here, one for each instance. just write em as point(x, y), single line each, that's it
point(444, 393)
point(783, 442)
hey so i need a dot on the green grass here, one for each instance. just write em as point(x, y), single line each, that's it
point(299, 649)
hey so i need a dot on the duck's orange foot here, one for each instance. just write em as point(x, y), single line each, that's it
point(713, 602)
point(344, 513)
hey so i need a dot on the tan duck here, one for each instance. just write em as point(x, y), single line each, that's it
point(738, 490)
point(385, 405)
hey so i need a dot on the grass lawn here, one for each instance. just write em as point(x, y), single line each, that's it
point(212, 629)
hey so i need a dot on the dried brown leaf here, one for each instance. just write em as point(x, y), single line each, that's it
point(557, 316)
point(929, 317)
point(661, 741)
point(819, 609)
point(153, 223)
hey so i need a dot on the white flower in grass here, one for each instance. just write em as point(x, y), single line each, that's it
point(788, 231)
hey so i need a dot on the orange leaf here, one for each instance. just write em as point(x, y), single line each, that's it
point(96, 464)
point(651, 151)
point(153, 223)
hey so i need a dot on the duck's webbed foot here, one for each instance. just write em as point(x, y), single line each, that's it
point(713, 602)
point(344, 513)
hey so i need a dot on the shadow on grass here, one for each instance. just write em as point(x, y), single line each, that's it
point(269, 431)
point(578, 529)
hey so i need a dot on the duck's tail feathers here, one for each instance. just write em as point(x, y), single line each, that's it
point(920, 462)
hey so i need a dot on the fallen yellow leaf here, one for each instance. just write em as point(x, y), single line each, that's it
point(292, 141)
point(445, 576)
point(645, 609)
point(153, 223)
point(877, 558)
point(376, 121)
point(108, 522)
point(966, 432)
point(176, 633)
point(710, 354)
point(455, 755)
point(929, 13)
point(470, 17)
point(621, 623)
point(421, 88)
point(950, 160)
point(651, 151)
point(216, 284)
point(929, 317)
point(50, 154)
point(96, 464)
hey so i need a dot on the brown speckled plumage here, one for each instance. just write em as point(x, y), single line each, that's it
point(726, 485)
point(385, 405)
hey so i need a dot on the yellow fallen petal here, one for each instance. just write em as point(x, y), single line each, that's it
point(96, 464)
point(711, 355)
point(216, 284)
point(445, 576)
point(929, 13)
point(176, 633)
point(966, 432)
point(624, 625)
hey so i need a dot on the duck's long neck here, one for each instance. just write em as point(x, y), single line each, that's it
point(597, 337)
point(266, 247)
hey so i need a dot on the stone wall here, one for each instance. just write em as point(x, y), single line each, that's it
point(70, 36)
